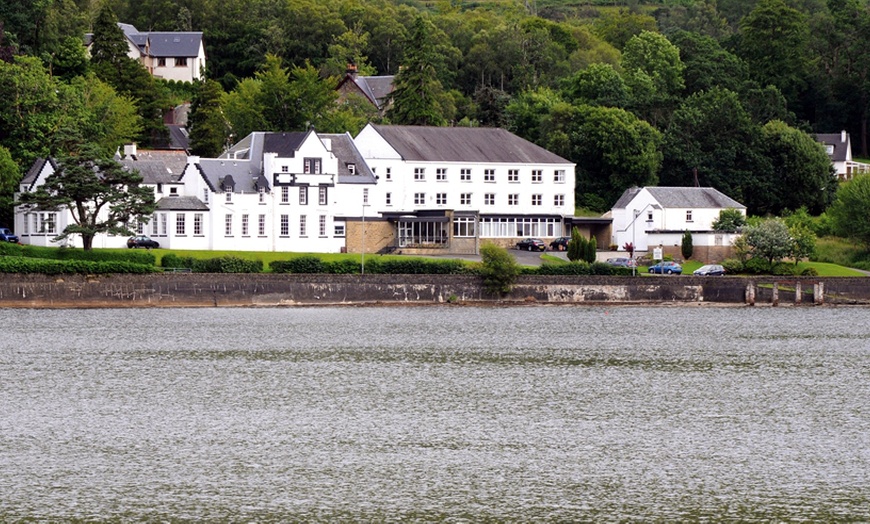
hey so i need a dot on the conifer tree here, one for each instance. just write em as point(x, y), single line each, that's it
point(206, 124)
point(415, 98)
point(576, 246)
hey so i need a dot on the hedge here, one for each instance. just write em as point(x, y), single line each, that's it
point(578, 268)
point(62, 267)
point(410, 266)
point(66, 253)
point(227, 264)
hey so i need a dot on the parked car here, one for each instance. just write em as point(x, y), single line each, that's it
point(532, 244)
point(621, 262)
point(560, 244)
point(666, 268)
point(6, 235)
point(142, 241)
point(710, 270)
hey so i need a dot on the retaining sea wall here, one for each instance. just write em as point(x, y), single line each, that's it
point(210, 290)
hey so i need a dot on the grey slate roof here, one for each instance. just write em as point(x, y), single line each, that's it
point(464, 144)
point(36, 168)
point(683, 198)
point(181, 203)
point(836, 140)
point(377, 88)
point(344, 148)
point(157, 167)
point(174, 44)
point(178, 137)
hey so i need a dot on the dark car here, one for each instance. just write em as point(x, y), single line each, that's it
point(560, 244)
point(710, 270)
point(667, 268)
point(141, 241)
point(621, 262)
point(532, 244)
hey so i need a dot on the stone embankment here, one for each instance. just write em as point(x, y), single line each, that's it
point(237, 290)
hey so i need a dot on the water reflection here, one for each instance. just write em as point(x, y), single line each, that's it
point(435, 414)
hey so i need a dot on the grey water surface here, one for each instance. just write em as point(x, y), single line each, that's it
point(448, 414)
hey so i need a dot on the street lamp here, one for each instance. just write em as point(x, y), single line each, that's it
point(633, 243)
point(363, 254)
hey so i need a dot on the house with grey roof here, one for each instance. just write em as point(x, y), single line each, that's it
point(173, 55)
point(657, 217)
point(448, 189)
point(376, 90)
point(838, 146)
point(160, 170)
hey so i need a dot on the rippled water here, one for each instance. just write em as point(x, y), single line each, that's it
point(447, 414)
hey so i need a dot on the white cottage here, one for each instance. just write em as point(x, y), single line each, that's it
point(451, 187)
point(651, 217)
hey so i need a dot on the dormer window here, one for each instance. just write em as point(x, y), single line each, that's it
point(229, 195)
point(351, 168)
point(829, 148)
point(173, 191)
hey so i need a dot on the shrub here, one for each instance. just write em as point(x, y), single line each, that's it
point(580, 267)
point(60, 267)
point(809, 272)
point(348, 266)
point(228, 264)
point(591, 250)
point(576, 246)
point(732, 266)
point(498, 269)
point(783, 269)
point(303, 264)
point(756, 266)
point(687, 247)
point(172, 260)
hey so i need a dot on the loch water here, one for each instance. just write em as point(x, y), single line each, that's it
point(435, 414)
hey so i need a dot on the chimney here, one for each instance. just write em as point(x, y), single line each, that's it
point(351, 70)
point(843, 136)
point(130, 151)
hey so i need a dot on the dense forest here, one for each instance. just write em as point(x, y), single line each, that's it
point(727, 94)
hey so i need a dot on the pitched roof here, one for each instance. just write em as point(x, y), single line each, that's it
point(35, 169)
point(464, 144)
point(164, 44)
point(157, 166)
point(836, 140)
point(682, 197)
point(181, 203)
point(344, 148)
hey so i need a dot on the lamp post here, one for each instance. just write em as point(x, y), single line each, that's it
point(363, 254)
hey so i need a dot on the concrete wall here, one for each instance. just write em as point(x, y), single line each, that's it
point(211, 290)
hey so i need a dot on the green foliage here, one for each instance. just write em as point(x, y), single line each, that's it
point(770, 240)
point(849, 211)
point(171, 260)
point(590, 251)
point(303, 264)
point(802, 174)
point(686, 245)
point(783, 269)
point(803, 242)
point(417, 87)
point(733, 266)
point(227, 264)
point(207, 127)
point(654, 74)
point(26, 265)
point(809, 272)
point(97, 255)
point(730, 220)
point(498, 269)
point(576, 246)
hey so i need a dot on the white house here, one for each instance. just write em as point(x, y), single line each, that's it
point(839, 149)
point(450, 187)
point(169, 55)
point(651, 217)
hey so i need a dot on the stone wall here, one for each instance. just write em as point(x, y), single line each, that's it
point(210, 290)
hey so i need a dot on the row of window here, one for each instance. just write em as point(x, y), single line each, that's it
point(159, 225)
point(489, 175)
point(465, 199)
point(180, 61)
point(39, 224)
point(434, 232)
point(322, 195)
